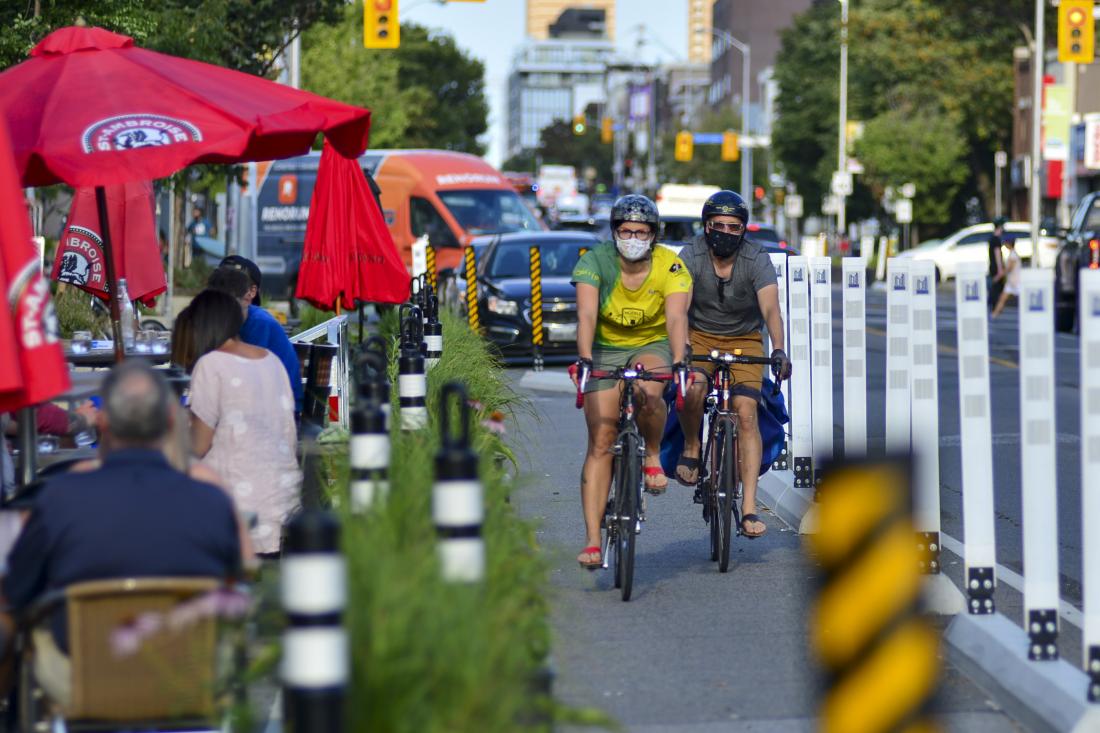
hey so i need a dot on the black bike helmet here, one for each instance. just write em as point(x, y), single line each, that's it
point(634, 207)
point(726, 203)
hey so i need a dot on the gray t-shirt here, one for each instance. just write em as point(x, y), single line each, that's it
point(730, 307)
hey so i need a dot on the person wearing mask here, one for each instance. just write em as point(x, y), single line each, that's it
point(260, 328)
point(735, 297)
point(632, 299)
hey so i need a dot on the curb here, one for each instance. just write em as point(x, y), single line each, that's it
point(776, 490)
point(1043, 696)
point(547, 382)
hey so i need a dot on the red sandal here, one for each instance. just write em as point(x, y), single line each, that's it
point(652, 472)
point(592, 550)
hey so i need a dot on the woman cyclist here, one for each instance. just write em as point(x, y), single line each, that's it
point(632, 300)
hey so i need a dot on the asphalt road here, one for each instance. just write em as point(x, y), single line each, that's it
point(694, 651)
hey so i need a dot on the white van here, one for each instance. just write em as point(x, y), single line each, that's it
point(680, 199)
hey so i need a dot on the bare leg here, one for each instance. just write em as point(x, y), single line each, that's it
point(691, 417)
point(750, 449)
point(651, 418)
point(601, 412)
point(1001, 303)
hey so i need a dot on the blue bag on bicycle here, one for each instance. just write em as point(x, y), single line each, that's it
point(771, 416)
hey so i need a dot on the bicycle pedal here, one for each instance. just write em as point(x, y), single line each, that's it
point(698, 497)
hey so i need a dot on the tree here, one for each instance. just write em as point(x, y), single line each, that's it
point(559, 146)
point(706, 164)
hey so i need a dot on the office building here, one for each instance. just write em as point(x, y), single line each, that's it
point(699, 26)
point(541, 14)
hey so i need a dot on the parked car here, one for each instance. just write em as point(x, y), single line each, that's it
point(504, 291)
point(971, 244)
point(1081, 250)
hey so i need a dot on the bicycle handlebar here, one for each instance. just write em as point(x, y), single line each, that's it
point(738, 358)
point(631, 373)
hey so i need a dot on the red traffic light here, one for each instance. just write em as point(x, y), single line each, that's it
point(758, 193)
point(383, 6)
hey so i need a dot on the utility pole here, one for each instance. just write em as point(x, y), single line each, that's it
point(1065, 209)
point(842, 134)
point(746, 91)
point(1037, 128)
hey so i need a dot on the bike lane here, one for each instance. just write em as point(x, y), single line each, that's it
point(694, 650)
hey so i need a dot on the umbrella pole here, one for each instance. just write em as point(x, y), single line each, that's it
point(28, 446)
point(112, 281)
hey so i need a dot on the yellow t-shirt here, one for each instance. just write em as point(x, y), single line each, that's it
point(631, 318)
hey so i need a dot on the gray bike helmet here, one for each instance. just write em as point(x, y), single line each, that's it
point(634, 207)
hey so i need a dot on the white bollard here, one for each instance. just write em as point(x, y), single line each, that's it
point(1089, 316)
point(897, 357)
point(779, 262)
point(821, 348)
point(976, 437)
point(801, 404)
point(854, 306)
point(1038, 448)
point(458, 504)
point(925, 412)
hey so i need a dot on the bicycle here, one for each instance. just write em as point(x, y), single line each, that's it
point(624, 514)
point(720, 488)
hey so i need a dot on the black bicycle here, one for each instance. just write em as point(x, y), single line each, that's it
point(624, 515)
point(720, 486)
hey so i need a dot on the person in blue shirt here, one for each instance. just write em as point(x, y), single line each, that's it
point(240, 278)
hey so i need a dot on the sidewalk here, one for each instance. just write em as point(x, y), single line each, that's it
point(695, 650)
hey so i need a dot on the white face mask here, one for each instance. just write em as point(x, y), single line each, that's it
point(632, 249)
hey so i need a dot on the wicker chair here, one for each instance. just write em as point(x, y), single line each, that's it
point(167, 684)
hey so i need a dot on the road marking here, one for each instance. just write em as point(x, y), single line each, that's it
point(1070, 613)
point(952, 351)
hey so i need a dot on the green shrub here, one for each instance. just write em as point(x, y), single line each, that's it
point(74, 313)
point(191, 280)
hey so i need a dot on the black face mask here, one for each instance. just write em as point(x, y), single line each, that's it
point(723, 244)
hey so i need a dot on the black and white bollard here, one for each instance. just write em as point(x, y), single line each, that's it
point(433, 333)
point(315, 645)
point(369, 454)
point(457, 498)
point(412, 384)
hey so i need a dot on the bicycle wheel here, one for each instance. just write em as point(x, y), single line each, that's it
point(628, 500)
point(710, 505)
point(612, 525)
point(726, 481)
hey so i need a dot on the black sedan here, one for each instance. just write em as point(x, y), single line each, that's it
point(504, 291)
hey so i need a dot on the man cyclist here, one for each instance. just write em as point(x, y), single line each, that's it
point(632, 300)
point(735, 295)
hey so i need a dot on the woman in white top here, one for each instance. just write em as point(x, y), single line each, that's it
point(1012, 277)
point(242, 414)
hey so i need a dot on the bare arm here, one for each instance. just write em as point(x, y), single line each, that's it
point(768, 298)
point(588, 303)
point(202, 436)
point(676, 322)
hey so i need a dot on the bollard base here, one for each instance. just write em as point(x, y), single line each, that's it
point(811, 520)
point(941, 597)
point(313, 711)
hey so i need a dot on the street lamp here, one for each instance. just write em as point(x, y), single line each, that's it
point(1036, 126)
point(842, 152)
point(746, 86)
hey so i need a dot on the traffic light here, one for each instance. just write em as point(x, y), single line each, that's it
point(578, 124)
point(1076, 31)
point(685, 146)
point(607, 130)
point(731, 147)
point(380, 26)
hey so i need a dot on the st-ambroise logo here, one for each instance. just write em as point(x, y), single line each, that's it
point(29, 299)
point(81, 260)
point(133, 131)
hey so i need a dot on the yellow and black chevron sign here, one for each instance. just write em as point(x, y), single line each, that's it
point(470, 272)
point(536, 295)
point(429, 261)
point(880, 656)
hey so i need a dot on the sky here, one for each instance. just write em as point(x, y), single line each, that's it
point(492, 31)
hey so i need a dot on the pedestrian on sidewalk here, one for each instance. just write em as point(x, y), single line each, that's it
point(995, 280)
point(1011, 277)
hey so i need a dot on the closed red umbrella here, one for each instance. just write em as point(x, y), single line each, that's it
point(349, 254)
point(80, 256)
point(32, 364)
point(89, 108)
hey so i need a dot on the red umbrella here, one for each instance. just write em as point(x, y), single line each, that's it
point(80, 258)
point(349, 254)
point(33, 367)
point(91, 109)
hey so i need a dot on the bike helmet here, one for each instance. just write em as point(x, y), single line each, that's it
point(726, 203)
point(634, 207)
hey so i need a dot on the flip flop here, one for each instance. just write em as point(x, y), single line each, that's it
point(691, 464)
point(752, 518)
point(592, 550)
point(653, 472)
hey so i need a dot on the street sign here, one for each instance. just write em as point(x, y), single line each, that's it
point(908, 190)
point(903, 211)
point(842, 183)
point(793, 206)
point(1000, 159)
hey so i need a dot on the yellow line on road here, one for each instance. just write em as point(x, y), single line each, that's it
point(944, 349)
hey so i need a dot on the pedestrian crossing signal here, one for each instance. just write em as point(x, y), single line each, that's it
point(1076, 31)
point(380, 26)
point(607, 130)
point(578, 124)
point(685, 146)
point(731, 146)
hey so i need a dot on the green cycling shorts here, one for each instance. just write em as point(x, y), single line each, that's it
point(606, 358)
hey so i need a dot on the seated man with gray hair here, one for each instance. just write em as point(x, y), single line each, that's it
point(135, 516)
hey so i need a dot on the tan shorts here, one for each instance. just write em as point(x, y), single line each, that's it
point(745, 376)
